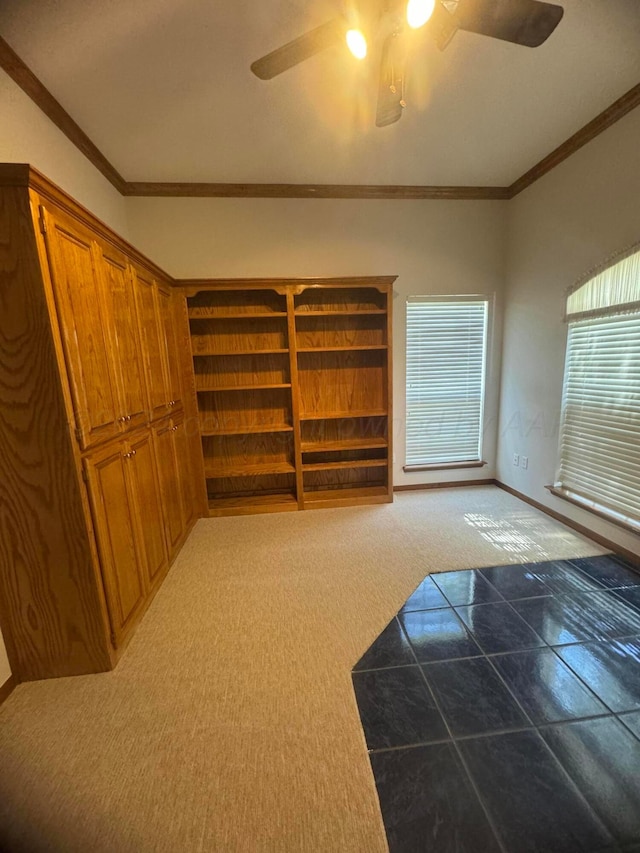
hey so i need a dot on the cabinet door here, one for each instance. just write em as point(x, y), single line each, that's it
point(114, 517)
point(149, 505)
point(73, 261)
point(168, 316)
point(170, 487)
point(153, 341)
point(127, 352)
point(185, 473)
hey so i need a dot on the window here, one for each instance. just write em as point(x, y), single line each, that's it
point(599, 464)
point(446, 368)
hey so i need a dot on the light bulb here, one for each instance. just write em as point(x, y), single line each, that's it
point(357, 43)
point(419, 12)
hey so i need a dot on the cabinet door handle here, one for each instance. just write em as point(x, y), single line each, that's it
point(127, 455)
point(133, 453)
point(128, 417)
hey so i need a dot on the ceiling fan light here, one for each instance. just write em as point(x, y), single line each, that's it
point(419, 12)
point(357, 43)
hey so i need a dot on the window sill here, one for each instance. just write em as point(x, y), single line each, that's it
point(443, 466)
point(583, 504)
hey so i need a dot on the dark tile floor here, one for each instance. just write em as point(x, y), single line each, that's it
point(501, 709)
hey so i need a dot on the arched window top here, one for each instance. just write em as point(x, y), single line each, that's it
point(613, 290)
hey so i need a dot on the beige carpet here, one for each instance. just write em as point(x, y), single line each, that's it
point(230, 724)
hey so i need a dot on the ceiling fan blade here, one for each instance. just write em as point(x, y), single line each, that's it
point(525, 22)
point(301, 48)
point(391, 84)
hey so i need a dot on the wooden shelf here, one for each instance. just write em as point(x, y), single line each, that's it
point(214, 353)
point(220, 472)
point(233, 505)
point(344, 313)
point(352, 463)
point(212, 388)
point(346, 497)
point(343, 349)
point(255, 430)
point(253, 461)
point(197, 314)
point(327, 416)
point(344, 444)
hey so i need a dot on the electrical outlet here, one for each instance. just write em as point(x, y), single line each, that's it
point(524, 462)
point(516, 459)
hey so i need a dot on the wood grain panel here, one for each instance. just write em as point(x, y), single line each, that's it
point(153, 345)
point(114, 512)
point(173, 379)
point(359, 191)
point(73, 261)
point(352, 331)
point(347, 299)
point(148, 504)
point(232, 336)
point(236, 451)
point(243, 370)
point(122, 316)
point(230, 302)
point(165, 448)
point(224, 410)
point(342, 382)
point(50, 607)
point(343, 433)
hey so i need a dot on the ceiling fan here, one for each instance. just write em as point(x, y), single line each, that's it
point(524, 22)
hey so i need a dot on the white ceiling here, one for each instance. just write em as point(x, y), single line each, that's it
point(163, 88)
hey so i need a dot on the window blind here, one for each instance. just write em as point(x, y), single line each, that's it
point(600, 434)
point(446, 359)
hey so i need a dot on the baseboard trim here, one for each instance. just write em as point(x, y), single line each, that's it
point(447, 485)
point(634, 559)
point(7, 688)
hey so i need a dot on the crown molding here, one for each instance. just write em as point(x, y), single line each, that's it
point(21, 74)
point(42, 97)
point(361, 191)
point(618, 109)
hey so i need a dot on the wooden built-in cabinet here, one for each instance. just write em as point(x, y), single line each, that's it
point(133, 404)
point(97, 491)
point(293, 381)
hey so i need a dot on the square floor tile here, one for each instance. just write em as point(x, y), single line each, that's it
point(545, 686)
point(472, 697)
point(580, 617)
point(391, 648)
point(607, 571)
point(603, 759)
point(533, 805)
point(632, 722)
point(428, 803)
point(630, 594)
point(438, 635)
point(515, 581)
point(426, 597)
point(561, 576)
point(465, 588)
point(397, 708)
point(611, 669)
point(497, 628)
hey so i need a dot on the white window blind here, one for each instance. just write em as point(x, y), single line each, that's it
point(600, 433)
point(446, 363)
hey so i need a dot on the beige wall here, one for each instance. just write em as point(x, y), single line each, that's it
point(433, 247)
point(574, 218)
point(27, 136)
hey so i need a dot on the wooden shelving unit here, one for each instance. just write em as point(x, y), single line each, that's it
point(293, 381)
